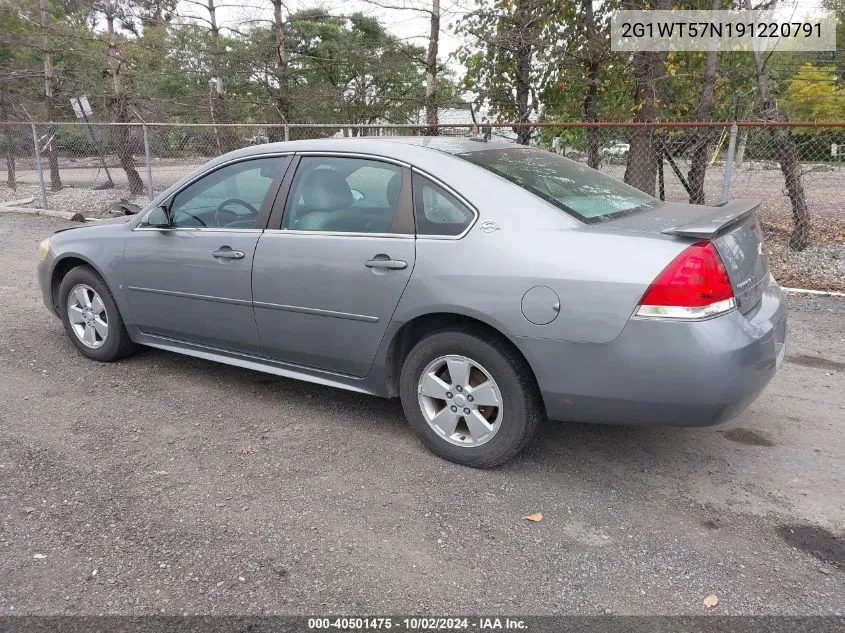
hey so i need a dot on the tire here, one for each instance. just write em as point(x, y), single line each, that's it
point(511, 425)
point(105, 344)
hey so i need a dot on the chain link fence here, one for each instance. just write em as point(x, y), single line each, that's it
point(796, 170)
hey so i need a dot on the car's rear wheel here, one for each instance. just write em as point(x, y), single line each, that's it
point(472, 399)
point(91, 317)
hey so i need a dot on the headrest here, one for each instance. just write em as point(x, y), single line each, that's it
point(326, 190)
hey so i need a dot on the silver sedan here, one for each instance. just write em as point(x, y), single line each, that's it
point(489, 286)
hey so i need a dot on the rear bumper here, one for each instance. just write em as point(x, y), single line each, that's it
point(664, 372)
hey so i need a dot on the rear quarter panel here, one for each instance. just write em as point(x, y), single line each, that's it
point(598, 278)
point(598, 273)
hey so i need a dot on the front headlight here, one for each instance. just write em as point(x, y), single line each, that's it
point(43, 249)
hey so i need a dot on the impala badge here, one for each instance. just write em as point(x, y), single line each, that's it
point(489, 227)
point(750, 280)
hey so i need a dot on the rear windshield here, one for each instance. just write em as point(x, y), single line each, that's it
point(572, 187)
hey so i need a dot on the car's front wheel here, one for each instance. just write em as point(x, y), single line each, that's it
point(91, 318)
point(471, 398)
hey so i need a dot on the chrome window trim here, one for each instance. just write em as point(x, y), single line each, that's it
point(239, 159)
point(201, 229)
point(413, 169)
point(460, 198)
point(376, 157)
point(400, 236)
point(144, 227)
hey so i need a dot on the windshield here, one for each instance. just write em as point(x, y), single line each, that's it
point(572, 187)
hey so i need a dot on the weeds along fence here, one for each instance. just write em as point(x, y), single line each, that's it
point(796, 169)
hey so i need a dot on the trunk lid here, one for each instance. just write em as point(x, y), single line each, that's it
point(732, 228)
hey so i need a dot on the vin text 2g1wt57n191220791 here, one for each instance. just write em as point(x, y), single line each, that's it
point(490, 286)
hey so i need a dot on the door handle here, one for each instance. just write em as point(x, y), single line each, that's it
point(228, 253)
point(390, 264)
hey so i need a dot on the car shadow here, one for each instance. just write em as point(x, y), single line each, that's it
point(557, 444)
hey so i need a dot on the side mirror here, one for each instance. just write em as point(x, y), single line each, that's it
point(157, 218)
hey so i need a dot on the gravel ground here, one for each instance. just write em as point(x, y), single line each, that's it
point(819, 266)
point(167, 484)
point(90, 202)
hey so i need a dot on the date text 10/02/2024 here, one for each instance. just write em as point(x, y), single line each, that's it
point(418, 624)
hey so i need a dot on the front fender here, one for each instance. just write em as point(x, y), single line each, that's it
point(100, 247)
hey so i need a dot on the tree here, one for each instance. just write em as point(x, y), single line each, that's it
point(281, 68)
point(216, 54)
point(701, 138)
point(8, 139)
point(149, 14)
point(813, 94)
point(786, 154)
point(52, 158)
point(649, 77)
point(592, 66)
point(350, 69)
point(119, 105)
point(431, 68)
point(589, 81)
point(500, 57)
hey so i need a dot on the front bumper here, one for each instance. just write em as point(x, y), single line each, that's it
point(44, 272)
point(664, 372)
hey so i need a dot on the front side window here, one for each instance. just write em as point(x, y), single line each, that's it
point(438, 212)
point(347, 195)
point(227, 198)
point(576, 189)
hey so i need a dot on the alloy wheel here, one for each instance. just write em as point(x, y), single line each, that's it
point(87, 315)
point(460, 400)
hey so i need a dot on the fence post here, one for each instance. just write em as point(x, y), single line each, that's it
point(149, 161)
point(729, 164)
point(287, 132)
point(39, 166)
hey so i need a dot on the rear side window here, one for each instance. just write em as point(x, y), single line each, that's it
point(341, 194)
point(436, 211)
point(572, 187)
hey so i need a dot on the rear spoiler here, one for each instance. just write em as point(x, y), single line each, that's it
point(716, 220)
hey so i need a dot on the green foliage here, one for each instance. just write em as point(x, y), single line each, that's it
point(498, 35)
point(813, 94)
point(351, 69)
point(346, 69)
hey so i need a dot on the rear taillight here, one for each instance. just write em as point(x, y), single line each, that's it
point(694, 285)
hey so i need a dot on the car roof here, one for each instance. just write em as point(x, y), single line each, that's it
point(432, 154)
point(398, 147)
point(451, 144)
